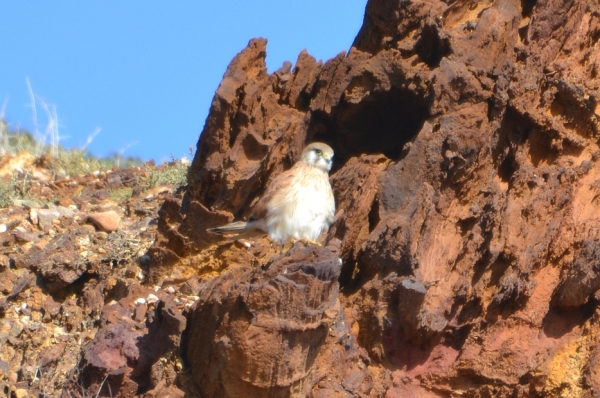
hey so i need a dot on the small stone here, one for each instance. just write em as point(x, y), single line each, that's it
point(3, 228)
point(65, 211)
point(140, 312)
point(132, 271)
point(152, 299)
point(16, 329)
point(140, 301)
point(4, 262)
point(156, 191)
point(107, 221)
point(46, 216)
point(21, 393)
point(65, 202)
point(191, 287)
point(141, 276)
point(170, 290)
point(33, 216)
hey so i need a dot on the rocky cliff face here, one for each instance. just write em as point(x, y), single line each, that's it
point(467, 181)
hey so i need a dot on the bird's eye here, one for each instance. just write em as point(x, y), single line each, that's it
point(318, 151)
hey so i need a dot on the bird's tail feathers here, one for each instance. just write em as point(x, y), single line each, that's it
point(232, 228)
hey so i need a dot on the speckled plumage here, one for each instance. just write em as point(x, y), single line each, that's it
point(298, 204)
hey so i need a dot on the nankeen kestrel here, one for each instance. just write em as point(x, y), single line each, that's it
point(298, 204)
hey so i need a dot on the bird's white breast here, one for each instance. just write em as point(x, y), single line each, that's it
point(306, 210)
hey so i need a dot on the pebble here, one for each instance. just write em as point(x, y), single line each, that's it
point(107, 221)
point(65, 211)
point(33, 216)
point(66, 202)
point(3, 228)
point(21, 393)
point(16, 329)
point(152, 192)
point(152, 299)
point(46, 216)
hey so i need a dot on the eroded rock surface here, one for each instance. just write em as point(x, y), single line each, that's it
point(466, 177)
point(263, 331)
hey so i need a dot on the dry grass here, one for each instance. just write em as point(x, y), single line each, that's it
point(17, 187)
point(46, 141)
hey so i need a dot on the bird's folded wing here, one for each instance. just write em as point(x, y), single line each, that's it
point(275, 195)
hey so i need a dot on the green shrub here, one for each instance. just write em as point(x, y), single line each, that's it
point(174, 173)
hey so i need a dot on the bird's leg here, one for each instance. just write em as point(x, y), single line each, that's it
point(306, 241)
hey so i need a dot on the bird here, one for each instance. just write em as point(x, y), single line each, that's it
point(297, 205)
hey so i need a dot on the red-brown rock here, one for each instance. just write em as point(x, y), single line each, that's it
point(107, 221)
point(466, 176)
point(262, 331)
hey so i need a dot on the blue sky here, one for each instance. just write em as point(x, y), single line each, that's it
point(145, 72)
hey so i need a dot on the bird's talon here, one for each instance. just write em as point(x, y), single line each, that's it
point(305, 241)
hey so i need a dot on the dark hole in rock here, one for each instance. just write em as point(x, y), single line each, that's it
point(514, 130)
point(527, 7)
point(383, 122)
point(374, 215)
point(352, 276)
point(507, 167)
point(431, 47)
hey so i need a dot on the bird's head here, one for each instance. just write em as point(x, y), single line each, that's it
point(319, 155)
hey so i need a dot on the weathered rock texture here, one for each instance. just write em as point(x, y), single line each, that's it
point(467, 178)
point(274, 332)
